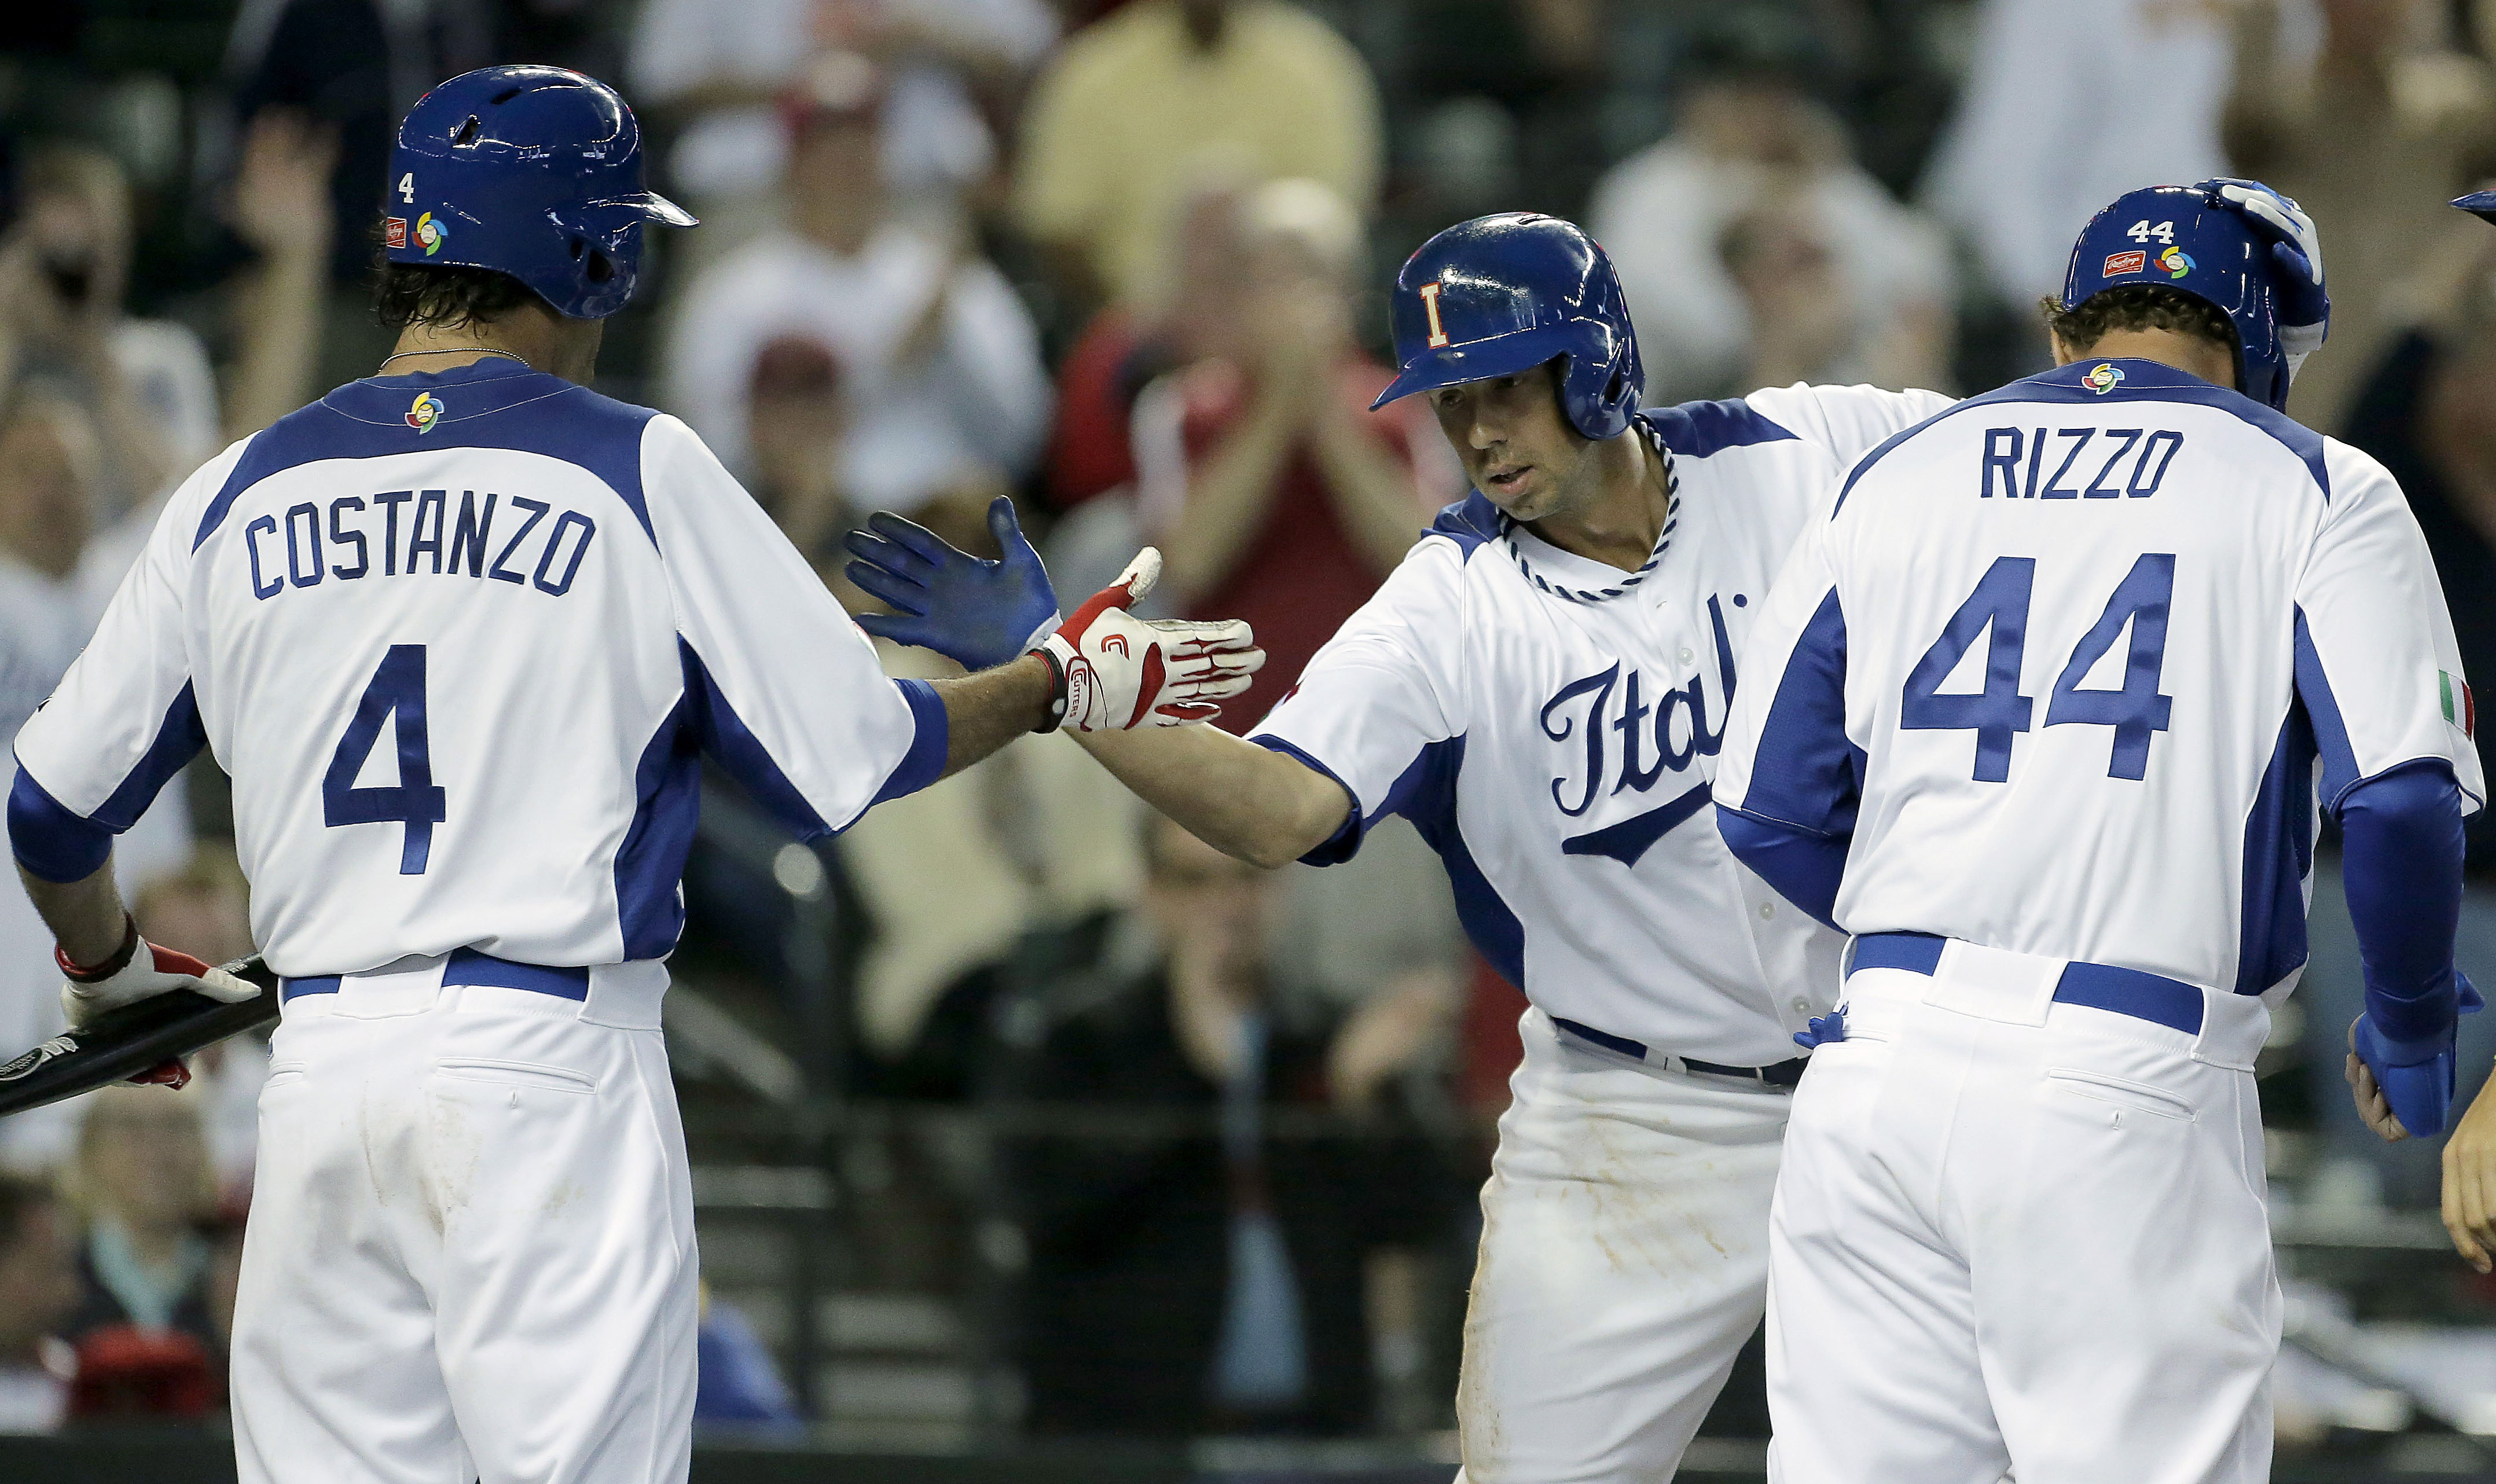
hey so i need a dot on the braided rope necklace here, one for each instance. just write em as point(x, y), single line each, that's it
point(1655, 558)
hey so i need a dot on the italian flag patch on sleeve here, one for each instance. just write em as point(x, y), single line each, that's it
point(2460, 708)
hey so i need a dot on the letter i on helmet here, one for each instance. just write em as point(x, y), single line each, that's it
point(1500, 295)
point(534, 171)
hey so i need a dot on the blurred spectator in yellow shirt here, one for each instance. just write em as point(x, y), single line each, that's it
point(1140, 107)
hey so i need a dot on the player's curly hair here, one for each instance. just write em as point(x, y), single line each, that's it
point(2138, 306)
point(448, 295)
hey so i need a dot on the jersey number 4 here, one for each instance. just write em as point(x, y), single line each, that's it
point(397, 689)
point(2000, 712)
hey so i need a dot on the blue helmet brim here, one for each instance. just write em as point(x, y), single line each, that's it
point(2478, 203)
point(1498, 355)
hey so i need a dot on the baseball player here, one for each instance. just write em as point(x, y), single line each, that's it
point(2044, 717)
point(1541, 688)
point(461, 631)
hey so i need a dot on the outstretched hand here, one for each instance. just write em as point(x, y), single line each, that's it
point(978, 613)
point(1122, 672)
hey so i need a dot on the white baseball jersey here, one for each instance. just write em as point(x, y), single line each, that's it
point(459, 638)
point(1551, 725)
point(2072, 660)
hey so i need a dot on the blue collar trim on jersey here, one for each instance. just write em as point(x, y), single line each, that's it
point(2141, 381)
point(371, 418)
point(1662, 538)
point(1700, 429)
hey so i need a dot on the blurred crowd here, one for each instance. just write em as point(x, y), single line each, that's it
point(1124, 259)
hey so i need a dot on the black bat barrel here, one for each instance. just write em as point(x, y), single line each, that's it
point(122, 1044)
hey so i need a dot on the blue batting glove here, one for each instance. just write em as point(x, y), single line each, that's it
point(976, 613)
point(2416, 1077)
point(1825, 1029)
point(2296, 261)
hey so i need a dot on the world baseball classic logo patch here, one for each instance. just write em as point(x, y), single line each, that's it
point(2102, 378)
point(2175, 260)
point(424, 413)
point(2119, 264)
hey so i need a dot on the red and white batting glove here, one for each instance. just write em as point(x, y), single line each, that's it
point(138, 970)
point(1115, 671)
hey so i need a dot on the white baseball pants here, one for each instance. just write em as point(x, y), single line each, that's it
point(1624, 1262)
point(2015, 1236)
point(471, 1247)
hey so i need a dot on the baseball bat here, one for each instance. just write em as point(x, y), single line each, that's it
point(120, 1044)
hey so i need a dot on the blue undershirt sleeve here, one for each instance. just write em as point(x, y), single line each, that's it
point(53, 843)
point(2401, 865)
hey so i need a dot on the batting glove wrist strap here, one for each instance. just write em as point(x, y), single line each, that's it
point(1056, 686)
point(82, 974)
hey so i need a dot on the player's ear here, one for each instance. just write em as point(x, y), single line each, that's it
point(2064, 355)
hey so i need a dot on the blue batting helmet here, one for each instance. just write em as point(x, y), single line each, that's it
point(2189, 239)
point(2478, 203)
point(1504, 294)
point(534, 171)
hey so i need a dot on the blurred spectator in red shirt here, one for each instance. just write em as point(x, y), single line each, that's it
point(1123, 350)
point(38, 1289)
point(1274, 493)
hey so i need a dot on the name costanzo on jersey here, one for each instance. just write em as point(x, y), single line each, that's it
point(360, 536)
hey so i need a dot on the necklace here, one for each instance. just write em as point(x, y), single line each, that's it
point(1655, 558)
point(460, 350)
